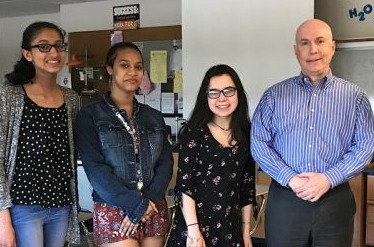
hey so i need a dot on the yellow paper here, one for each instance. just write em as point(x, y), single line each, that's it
point(159, 66)
point(178, 81)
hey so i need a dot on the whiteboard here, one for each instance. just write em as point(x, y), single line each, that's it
point(356, 66)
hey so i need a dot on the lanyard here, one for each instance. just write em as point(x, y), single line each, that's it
point(136, 144)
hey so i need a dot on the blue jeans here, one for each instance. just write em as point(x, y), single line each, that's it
point(36, 226)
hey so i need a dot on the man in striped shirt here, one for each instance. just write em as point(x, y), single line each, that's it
point(311, 134)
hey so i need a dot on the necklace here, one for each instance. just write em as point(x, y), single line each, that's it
point(132, 133)
point(221, 127)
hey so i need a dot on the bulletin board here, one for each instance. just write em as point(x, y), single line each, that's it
point(97, 43)
point(170, 98)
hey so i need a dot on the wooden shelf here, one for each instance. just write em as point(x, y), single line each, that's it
point(370, 211)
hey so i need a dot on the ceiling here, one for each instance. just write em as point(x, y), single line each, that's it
point(11, 8)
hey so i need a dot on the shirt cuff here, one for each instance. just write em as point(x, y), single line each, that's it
point(5, 203)
point(335, 176)
point(138, 213)
point(285, 175)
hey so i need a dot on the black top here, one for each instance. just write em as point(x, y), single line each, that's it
point(221, 180)
point(43, 171)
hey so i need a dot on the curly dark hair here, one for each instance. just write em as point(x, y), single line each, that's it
point(24, 71)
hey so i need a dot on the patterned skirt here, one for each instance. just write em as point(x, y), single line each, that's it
point(107, 221)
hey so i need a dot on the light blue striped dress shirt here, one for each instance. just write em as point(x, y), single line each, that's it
point(300, 128)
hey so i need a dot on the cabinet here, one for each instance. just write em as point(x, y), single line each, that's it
point(370, 211)
point(358, 187)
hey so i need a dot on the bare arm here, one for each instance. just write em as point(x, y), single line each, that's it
point(7, 236)
point(194, 239)
point(246, 225)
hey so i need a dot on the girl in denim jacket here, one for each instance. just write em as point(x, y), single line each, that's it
point(126, 156)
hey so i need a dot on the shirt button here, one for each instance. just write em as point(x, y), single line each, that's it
point(309, 164)
point(312, 110)
point(311, 127)
point(314, 95)
point(309, 145)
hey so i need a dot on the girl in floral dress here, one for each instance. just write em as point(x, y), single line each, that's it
point(215, 186)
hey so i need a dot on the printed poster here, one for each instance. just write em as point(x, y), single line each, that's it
point(126, 17)
point(65, 80)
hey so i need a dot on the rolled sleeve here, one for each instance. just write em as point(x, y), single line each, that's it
point(138, 212)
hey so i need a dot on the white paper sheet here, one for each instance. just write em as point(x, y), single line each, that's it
point(167, 103)
point(154, 98)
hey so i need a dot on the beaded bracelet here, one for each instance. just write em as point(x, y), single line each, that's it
point(192, 224)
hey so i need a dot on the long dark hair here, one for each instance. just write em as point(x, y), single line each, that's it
point(24, 71)
point(201, 113)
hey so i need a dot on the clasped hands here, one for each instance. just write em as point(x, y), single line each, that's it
point(128, 228)
point(309, 186)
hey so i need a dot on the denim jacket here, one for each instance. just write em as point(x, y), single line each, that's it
point(107, 152)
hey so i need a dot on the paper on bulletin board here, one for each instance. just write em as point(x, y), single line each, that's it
point(154, 98)
point(65, 80)
point(116, 37)
point(140, 98)
point(159, 66)
point(178, 81)
point(176, 59)
point(146, 85)
point(167, 103)
point(180, 103)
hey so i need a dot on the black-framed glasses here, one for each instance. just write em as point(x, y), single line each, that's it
point(47, 47)
point(215, 93)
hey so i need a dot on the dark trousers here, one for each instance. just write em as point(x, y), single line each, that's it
point(293, 222)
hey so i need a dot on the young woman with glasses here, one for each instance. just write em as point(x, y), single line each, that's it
point(38, 200)
point(215, 186)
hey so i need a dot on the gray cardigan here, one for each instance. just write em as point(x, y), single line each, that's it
point(11, 108)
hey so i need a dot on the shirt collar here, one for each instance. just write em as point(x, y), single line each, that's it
point(108, 100)
point(325, 82)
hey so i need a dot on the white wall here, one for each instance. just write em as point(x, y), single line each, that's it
point(11, 30)
point(254, 37)
point(99, 15)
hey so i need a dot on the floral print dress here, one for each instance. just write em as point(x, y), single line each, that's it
point(221, 180)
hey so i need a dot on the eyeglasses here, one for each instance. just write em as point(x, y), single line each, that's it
point(47, 47)
point(215, 93)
